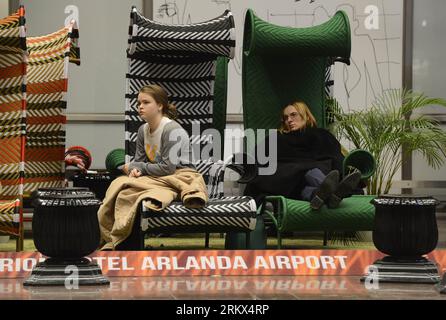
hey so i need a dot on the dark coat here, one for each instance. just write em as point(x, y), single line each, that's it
point(297, 152)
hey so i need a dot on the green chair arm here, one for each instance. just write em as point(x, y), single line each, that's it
point(361, 160)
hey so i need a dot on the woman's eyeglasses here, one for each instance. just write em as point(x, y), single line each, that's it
point(292, 115)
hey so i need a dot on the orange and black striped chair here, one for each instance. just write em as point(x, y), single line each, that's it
point(33, 87)
point(47, 74)
point(13, 56)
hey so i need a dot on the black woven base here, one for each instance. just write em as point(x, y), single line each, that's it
point(53, 272)
point(441, 287)
point(395, 270)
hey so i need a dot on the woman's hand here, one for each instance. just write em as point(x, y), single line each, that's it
point(135, 173)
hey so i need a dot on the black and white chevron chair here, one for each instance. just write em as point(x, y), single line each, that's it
point(190, 62)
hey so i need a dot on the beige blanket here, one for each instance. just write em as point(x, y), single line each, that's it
point(117, 213)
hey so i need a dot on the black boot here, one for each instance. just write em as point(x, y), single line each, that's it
point(344, 189)
point(325, 190)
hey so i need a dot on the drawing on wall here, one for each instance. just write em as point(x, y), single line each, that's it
point(376, 29)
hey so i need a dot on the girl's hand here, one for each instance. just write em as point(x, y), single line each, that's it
point(135, 173)
point(125, 169)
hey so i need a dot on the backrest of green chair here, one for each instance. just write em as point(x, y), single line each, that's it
point(284, 64)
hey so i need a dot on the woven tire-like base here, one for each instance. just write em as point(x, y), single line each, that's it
point(394, 270)
point(53, 272)
point(441, 287)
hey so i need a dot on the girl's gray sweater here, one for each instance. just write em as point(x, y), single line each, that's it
point(175, 152)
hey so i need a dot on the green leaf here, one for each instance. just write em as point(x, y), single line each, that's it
point(393, 122)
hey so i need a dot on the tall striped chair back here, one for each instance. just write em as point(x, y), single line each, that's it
point(185, 60)
point(48, 61)
point(13, 58)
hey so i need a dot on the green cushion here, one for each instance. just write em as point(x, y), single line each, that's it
point(354, 213)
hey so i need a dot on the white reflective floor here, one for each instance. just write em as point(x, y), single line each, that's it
point(240, 288)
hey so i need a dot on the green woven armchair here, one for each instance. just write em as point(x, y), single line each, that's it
point(282, 64)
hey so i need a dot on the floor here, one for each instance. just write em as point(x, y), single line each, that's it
point(234, 288)
point(222, 288)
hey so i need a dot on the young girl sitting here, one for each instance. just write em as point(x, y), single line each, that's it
point(162, 170)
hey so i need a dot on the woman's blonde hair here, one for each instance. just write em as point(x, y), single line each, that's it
point(160, 96)
point(304, 111)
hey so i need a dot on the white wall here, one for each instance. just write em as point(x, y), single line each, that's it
point(99, 139)
point(376, 53)
point(3, 8)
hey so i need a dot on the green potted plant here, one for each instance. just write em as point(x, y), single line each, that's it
point(389, 129)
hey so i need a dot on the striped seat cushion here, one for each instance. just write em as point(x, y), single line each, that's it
point(219, 215)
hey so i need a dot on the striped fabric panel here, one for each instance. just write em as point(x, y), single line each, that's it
point(181, 59)
point(229, 213)
point(10, 60)
point(9, 216)
point(221, 214)
point(329, 82)
point(329, 91)
point(48, 61)
point(13, 58)
point(12, 33)
point(213, 174)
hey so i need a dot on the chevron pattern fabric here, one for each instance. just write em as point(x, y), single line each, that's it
point(48, 61)
point(329, 82)
point(213, 175)
point(219, 215)
point(181, 59)
point(12, 33)
point(10, 216)
point(33, 84)
point(13, 58)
